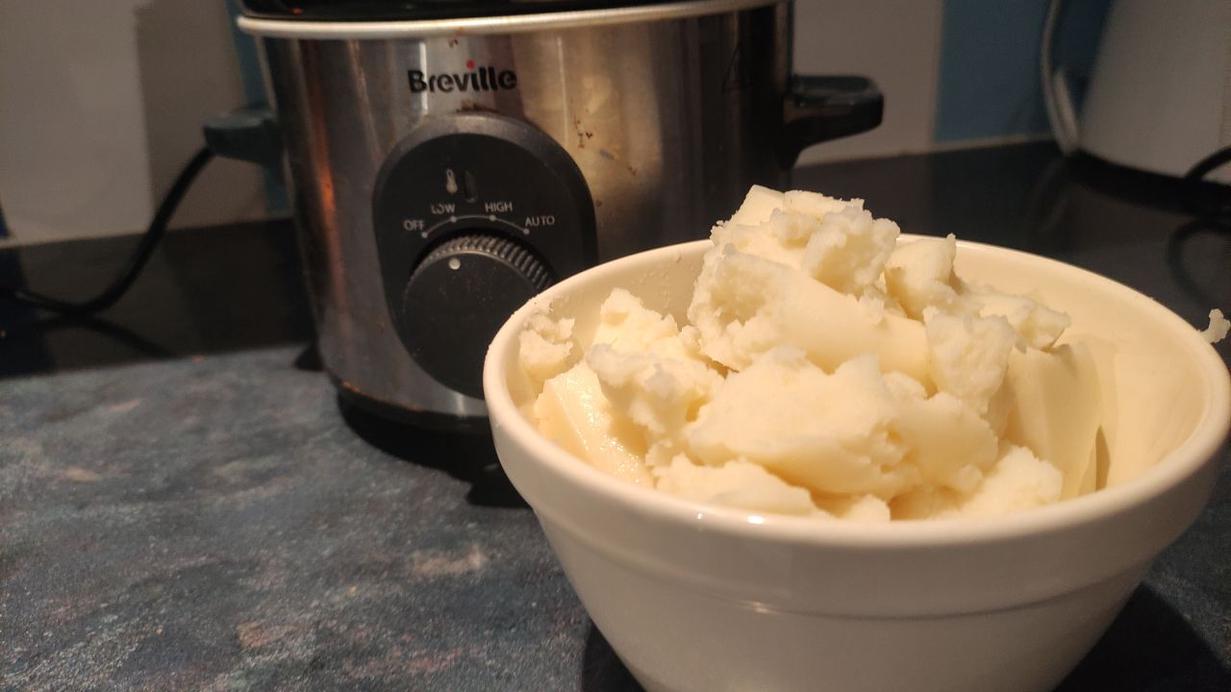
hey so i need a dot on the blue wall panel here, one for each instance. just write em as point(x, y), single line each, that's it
point(989, 74)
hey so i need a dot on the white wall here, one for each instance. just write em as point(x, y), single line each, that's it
point(101, 104)
point(896, 43)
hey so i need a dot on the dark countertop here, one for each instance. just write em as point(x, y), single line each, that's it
point(184, 503)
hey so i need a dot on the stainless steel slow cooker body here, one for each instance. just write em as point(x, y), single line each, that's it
point(444, 170)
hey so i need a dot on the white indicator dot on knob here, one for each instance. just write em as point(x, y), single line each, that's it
point(455, 263)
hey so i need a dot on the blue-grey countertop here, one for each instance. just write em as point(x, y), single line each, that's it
point(184, 502)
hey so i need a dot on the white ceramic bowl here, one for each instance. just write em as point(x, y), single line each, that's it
point(694, 597)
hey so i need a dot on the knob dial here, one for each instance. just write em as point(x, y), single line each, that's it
point(458, 296)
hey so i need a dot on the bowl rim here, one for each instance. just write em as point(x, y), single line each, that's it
point(1197, 450)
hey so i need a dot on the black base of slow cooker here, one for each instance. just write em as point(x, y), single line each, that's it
point(470, 458)
point(350, 397)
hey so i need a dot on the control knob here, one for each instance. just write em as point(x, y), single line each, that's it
point(457, 298)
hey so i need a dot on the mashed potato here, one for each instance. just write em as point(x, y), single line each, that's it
point(826, 370)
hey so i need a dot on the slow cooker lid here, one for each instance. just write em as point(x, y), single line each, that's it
point(403, 10)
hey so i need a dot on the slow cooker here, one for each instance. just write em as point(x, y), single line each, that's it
point(449, 159)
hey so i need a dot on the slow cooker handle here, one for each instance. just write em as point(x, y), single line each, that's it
point(818, 109)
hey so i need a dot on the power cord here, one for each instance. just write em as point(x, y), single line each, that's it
point(1208, 164)
point(1206, 199)
point(136, 262)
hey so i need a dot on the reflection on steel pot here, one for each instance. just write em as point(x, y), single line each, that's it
point(451, 159)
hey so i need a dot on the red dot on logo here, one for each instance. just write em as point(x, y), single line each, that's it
point(469, 64)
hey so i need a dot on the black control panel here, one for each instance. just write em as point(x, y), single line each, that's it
point(474, 213)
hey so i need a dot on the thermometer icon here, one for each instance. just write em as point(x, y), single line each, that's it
point(450, 182)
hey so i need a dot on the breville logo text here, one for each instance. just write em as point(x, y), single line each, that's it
point(476, 78)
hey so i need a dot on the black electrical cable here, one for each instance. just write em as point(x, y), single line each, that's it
point(136, 262)
point(1206, 199)
point(1208, 164)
